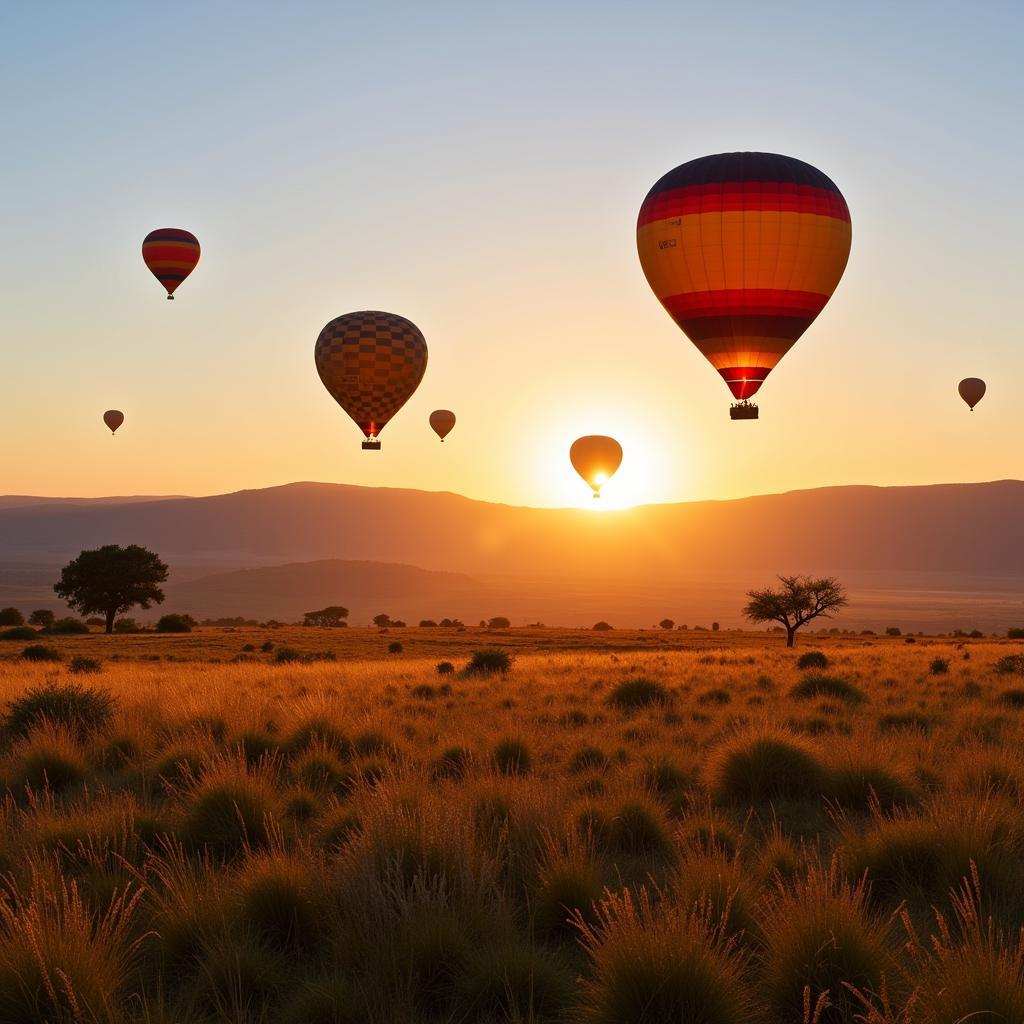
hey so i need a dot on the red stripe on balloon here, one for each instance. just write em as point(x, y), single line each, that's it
point(741, 196)
point(745, 301)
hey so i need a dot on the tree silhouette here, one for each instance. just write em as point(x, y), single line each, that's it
point(332, 615)
point(798, 600)
point(111, 579)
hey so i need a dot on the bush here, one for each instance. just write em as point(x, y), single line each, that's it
point(1012, 699)
point(395, 647)
point(812, 659)
point(11, 617)
point(42, 617)
point(84, 666)
point(126, 625)
point(428, 624)
point(79, 708)
point(602, 626)
point(18, 633)
point(286, 655)
point(499, 622)
point(453, 763)
point(939, 667)
point(444, 668)
point(638, 829)
point(759, 767)
point(831, 687)
point(489, 662)
point(40, 652)
point(633, 694)
point(1016, 633)
point(228, 812)
point(48, 758)
point(174, 624)
point(1011, 664)
point(68, 627)
point(893, 631)
point(512, 757)
point(267, 646)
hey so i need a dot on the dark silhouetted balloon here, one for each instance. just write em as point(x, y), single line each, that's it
point(371, 363)
point(171, 255)
point(972, 390)
point(743, 250)
point(113, 419)
point(596, 458)
point(441, 422)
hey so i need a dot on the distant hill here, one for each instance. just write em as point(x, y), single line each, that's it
point(939, 556)
point(28, 500)
point(949, 527)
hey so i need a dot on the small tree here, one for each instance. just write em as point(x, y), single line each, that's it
point(42, 617)
point(499, 622)
point(382, 621)
point(666, 624)
point(332, 615)
point(715, 627)
point(11, 617)
point(111, 579)
point(797, 601)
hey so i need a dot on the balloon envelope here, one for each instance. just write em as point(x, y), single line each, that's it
point(113, 419)
point(743, 250)
point(596, 458)
point(371, 363)
point(171, 255)
point(441, 422)
point(972, 390)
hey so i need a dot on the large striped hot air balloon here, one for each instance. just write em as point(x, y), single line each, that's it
point(371, 363)
point(743, 250)
point(171, 255)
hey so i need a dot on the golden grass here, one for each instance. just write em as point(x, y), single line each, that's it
point(350, 840)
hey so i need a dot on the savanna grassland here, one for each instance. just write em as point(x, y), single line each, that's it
point(610, 837)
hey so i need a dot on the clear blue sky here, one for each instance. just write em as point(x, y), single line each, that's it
point(478, 169)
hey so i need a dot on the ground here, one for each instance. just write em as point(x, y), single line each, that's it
point(606, 833)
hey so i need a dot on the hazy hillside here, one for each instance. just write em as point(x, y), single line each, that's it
point(973, 528)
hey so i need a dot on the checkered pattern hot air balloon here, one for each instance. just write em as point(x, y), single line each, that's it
point(171, 255)
point(371, 363)
point(743, 250)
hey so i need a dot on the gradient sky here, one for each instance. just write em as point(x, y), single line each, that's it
point(479, 169)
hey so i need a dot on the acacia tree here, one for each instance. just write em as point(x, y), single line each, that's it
point(798, 600)
point(332, 615)
point(109, 580)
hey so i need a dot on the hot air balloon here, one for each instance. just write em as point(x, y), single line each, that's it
point(972, 390)
point(371, 363)
point(596, 458)
point(441, 422)
point(743, 250)
point(171, 255)
point(113, 419)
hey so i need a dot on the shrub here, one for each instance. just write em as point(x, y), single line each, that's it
point(939, 667)
point(812, 659)
point(820, 934)
point(395, 647)
point(858, 785)
point(893, 631)
point(602, 626)
point(661, 965)
point(499, 622)
point(831, 687)
point(280, 901)
point(1012, 699)
point(42, 617)
point(758, 767)
point(638, 828)
point(512, 757)
point(11, 617)
point(174, 623)
point(452, 763)
point(633, 694)
point(444, 668)
point(588, 759)
point(489, 662)
point(81, 665)
point(49, 757)
point(228, 810)
point(267, 646)
point(68, 627)
point(716, 696)
point(127, 625)
point(18, 633)
point(40, 652)
point(1010, 664)
point(428, 624)
point(1016, 633)
point(287, 655)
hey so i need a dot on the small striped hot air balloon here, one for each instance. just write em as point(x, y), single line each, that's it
point(171, 255)
point(743, 250)
point(113, 419)
point(371, 363)
point(441, 422)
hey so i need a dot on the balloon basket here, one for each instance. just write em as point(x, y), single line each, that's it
point(372, 445)
point(170, 298)
point(743, 411)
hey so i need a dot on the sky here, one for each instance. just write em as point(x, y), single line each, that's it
point(478, 168)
